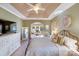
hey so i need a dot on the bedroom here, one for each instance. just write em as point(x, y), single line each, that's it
point(50, 29)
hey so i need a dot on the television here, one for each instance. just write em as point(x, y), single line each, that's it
point(7, 27)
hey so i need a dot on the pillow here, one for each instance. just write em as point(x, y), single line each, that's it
point(60, 40)
point(70, 43)
point(51, 37)
point(54, 38)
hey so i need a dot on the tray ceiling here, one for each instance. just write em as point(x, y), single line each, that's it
point(23, 7)
point(21, 10)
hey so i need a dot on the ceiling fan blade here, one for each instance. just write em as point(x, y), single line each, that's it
point(36, 12)
point(30, 5)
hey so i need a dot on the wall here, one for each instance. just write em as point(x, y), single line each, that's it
point(11, 41)
point(5, 15)
point(27, 23)
point(73, 12)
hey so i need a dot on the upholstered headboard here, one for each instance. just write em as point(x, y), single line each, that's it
point(70, 34)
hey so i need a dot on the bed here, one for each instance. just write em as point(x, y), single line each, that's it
point(43, 46)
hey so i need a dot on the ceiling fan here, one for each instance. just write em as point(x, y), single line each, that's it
point(35, 7)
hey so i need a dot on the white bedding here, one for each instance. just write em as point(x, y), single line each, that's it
point(42, 46)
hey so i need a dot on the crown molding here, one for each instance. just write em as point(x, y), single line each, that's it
point(36, 19)
point(62, 7)
point(11, 9)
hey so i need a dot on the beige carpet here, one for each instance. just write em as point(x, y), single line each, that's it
point(21, 50)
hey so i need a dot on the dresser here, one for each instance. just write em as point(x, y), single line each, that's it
point(9, 43)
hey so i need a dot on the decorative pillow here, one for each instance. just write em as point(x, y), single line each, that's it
point(51, 37)
point(70, 43)
point(54, 38)
point(60, 40)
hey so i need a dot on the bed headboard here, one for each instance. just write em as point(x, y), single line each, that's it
point(70, 34)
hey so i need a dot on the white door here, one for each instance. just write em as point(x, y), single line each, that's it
point(25, 33)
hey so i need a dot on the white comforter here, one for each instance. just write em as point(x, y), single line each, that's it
point(42, 46)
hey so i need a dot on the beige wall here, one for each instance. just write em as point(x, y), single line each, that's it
point(27, 23)
point(73, 12)
point(5, 15)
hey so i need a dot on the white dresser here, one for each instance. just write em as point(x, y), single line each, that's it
point(9, 43)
